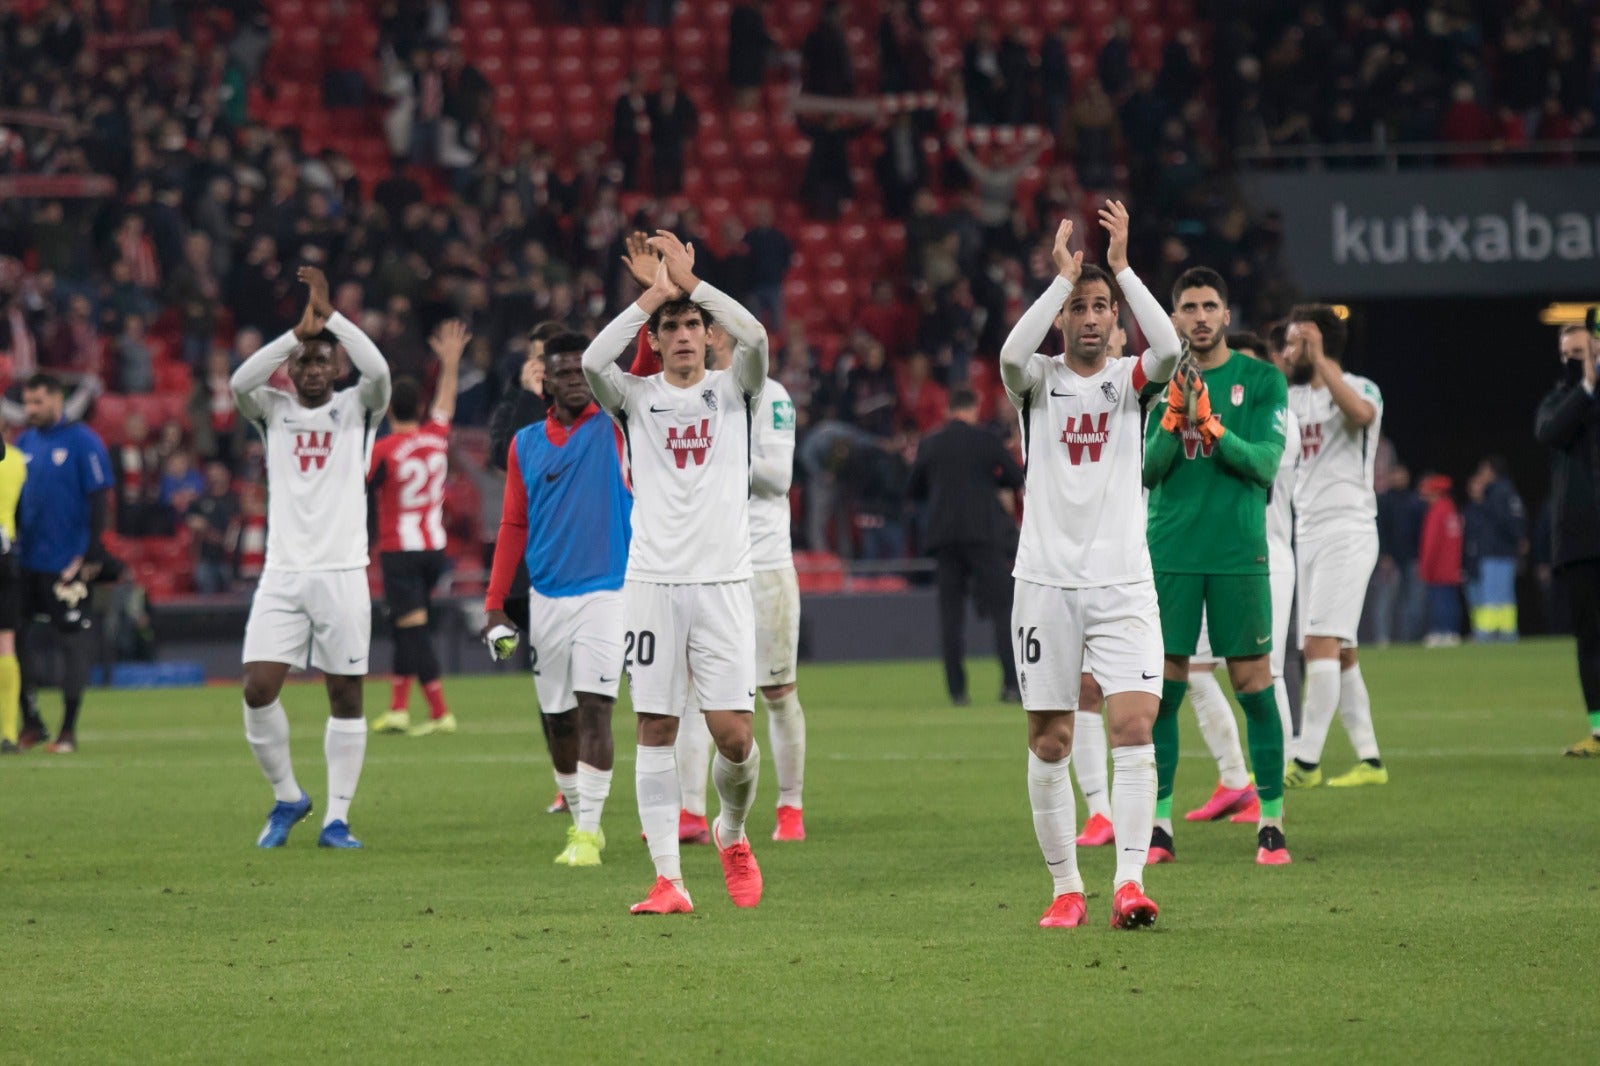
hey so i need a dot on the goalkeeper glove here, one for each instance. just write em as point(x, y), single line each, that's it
point(1172, 420)
point(1205, 420)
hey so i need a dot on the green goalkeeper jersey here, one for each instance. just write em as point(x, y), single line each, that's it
point(1208, 503)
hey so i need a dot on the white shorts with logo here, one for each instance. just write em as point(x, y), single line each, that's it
point(577, 647)
point(1332, 575)
point(690, 645)
point(325, 612)
point(1058, 635)
point(1282, 609)
point(777, 602)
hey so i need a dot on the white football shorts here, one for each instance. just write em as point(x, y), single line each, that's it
point(1057, 635)
point(777, 602)
point(325, 612)
point(689, 645)
point(1282, 611)
point(1332, 575)
point(577, 647)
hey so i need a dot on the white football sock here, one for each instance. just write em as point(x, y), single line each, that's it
point(345, 746)
point(568, 784)
point(1055, 820)
point(1133, 808)
point(1321, 702)
point(655, 775)
point(736, 791)
point(694, 761)
point(1089, 761)
point(267, 731)
point(1355, 711)
point(1217, 725)
point(786, 731)
point(593, 788)
point(1285, 714)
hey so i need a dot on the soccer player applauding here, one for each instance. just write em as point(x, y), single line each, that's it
point(687, 601)
point(1085, 596)
point(313, 593)
point(1209, 462)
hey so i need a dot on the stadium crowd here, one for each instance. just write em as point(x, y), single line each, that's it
point(171, 164)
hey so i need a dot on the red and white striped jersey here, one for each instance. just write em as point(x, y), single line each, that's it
point(408, 471)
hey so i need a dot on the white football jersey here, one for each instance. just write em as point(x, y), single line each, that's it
point(1280, 502)
point(1333, 489)
point(316, 456)
point(770, 547)
point(1083, 525)
point(316, 480)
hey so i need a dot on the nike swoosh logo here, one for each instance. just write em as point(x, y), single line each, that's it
point(607, 680)
point(1262, 640)
point(1063, 395)
point(1134, 850)
point(660, 410)
point(552, 477)
point(776, 672)
point(752, 693)
point(1058, 862)
point(357, 660)
point(1148, 677)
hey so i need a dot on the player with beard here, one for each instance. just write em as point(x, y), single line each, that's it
point(1085, 596)
point(1210, 461)
point(1336, 541)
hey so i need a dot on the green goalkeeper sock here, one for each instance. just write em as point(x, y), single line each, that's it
point(1264, 730)
point(1594, 722)
point(1165, 735)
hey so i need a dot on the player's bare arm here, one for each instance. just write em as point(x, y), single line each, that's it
point(1017, 368)
point(448, 342)
point(1358, 410)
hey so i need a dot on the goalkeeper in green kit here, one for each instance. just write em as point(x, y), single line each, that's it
point(1209, 464)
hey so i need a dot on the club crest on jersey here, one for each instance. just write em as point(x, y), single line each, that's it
point(313, 448)
point(59, 455)
point(1238, 395)
point(1109, 391)
point(1085, 436)
point(710, 398)
point(692, 442)
point(334, 414)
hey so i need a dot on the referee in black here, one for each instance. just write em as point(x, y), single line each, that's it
point(960, 471)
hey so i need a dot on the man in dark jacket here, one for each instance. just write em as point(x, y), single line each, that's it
point(1399, 595)
point(1569, 424)
point(1497, 530)
point(959, 471)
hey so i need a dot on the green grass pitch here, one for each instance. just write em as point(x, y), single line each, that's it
point(1451, 916)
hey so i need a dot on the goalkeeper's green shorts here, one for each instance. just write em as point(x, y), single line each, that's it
point(1238, 613)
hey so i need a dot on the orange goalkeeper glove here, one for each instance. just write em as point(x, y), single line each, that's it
point(1172, 420)
point(1205, 420)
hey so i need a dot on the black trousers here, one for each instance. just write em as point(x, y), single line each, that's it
point(1582, 583)
point(982, 571)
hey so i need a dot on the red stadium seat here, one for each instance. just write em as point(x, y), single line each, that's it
point(516, 14)
point(476, 13)
point(609, 41)
point(649, 47)
point(489, 40)
point(728, 181)
point(530, 69)
point(743, 124)
point(606, 74)
point(584, 127)
point(571, 41)
point(491, 66)
point(529, 40)
point(568, 69)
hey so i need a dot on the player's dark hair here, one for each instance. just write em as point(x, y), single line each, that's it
point(546, 329)
point(1199, 278)
point(963, 398)
point(1091, 272)
point(1248, 342)
point(405, 398)
point(1334, 331)
point(678, 307)
point(565, 341)
point(48, 382)
point(1278, 336)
